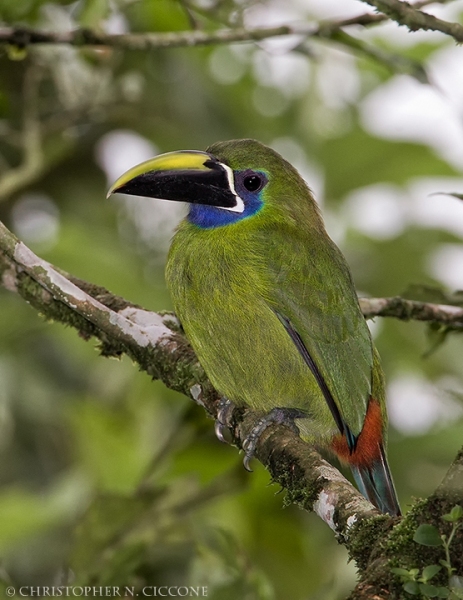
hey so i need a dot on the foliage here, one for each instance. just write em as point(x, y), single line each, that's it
point(418, 584)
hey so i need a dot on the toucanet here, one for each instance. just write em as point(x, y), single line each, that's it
point(267, 301)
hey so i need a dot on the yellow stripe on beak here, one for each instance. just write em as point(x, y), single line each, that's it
point(184, 160)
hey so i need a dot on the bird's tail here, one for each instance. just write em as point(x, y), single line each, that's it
point(375, 483)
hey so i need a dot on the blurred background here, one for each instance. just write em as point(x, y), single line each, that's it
point(107, 478)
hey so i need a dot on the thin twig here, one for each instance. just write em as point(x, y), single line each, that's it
point(406, 310)
point(368, 19)
point(409, 16)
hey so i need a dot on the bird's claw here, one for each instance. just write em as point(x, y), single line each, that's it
point(218, 428)
point(276, 415)
point(223, 417)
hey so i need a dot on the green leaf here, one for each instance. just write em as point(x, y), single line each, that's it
point(428, 590)
point(457, 512)
point(15, 52)
point(443, 592)
point(456, 582)
point(430, 571)
point(427, 535)
point(402, 572)
point(445, 563)
point(454, 515)
point(456, 592)
point(412, 588)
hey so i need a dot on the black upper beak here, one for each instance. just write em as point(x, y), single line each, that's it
point(187, 176)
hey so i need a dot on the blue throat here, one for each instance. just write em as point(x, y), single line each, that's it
point(209, 217)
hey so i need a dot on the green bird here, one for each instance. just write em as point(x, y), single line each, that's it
point(267, 302)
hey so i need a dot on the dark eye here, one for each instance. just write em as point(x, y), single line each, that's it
point(252, 182)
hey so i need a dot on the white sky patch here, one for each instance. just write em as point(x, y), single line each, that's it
point(273, 14)
point(436, 211)
point(375, 326)
point(121, 149)
point(383, 211)
point(403, 109)
point(415, 405)
point(446, 72)
point(154, 220)
point(378, 211)
point(332, 9)
point(289, 72)
point(36, 220)
point(116, 23)
point(446, 265)
point(60, 18)
point(336, 227)
point(294, 153)
point(338, 79)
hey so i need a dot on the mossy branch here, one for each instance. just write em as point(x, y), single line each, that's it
point(157, 345)
point(397, 547)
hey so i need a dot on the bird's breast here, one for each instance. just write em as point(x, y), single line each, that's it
point(222, 298)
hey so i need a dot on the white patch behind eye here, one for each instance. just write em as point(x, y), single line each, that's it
point(239, 206)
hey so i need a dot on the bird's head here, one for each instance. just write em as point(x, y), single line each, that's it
point(231, 181)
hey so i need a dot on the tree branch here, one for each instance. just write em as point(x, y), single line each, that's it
point(406, 14)
point(368, 19)
point(22, 37)
point(406, 310)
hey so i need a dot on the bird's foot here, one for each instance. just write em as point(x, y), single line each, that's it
point(285, 416)
point(223, 417)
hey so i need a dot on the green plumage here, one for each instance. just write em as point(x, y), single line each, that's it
point(228, 283)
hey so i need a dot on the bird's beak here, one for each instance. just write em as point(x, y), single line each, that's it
point(185, 176)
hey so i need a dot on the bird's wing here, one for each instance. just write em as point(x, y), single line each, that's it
point(314, 297)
